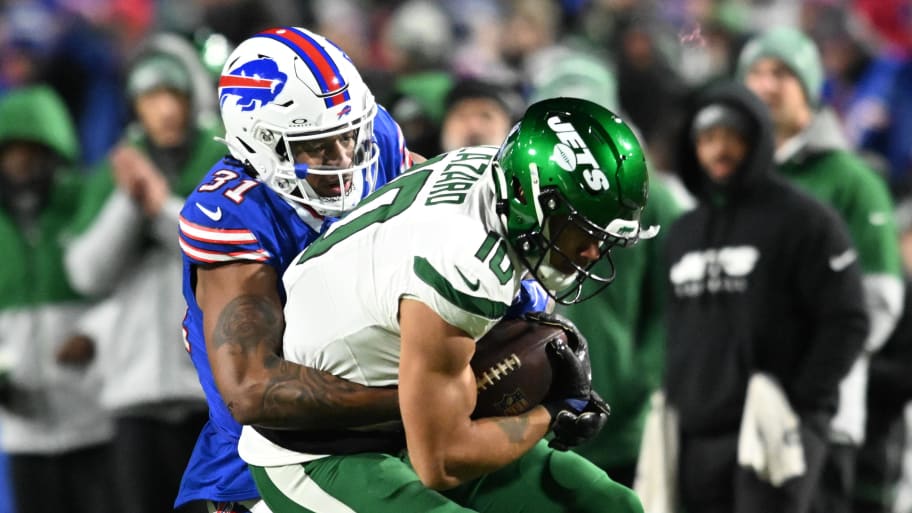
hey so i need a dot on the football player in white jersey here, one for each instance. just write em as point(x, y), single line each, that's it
point(397, 293)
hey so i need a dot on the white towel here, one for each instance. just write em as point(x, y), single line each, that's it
point(657, 469)
point(770, 437)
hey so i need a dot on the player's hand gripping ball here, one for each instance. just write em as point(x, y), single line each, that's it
point(512, 368)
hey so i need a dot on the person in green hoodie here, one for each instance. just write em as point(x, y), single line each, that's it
point(54, 429)
point(782, 66)
point(125, 249)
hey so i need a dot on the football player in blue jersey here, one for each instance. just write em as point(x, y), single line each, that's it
point(307, 142)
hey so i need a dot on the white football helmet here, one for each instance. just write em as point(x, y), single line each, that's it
point(285, 87)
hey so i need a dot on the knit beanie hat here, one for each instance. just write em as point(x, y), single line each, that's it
point(155, 71)
point(797, 51)
point(507, 98)
point(720, 114)
point(576, 75)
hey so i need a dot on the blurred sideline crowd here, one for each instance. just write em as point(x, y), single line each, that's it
point(108, 115)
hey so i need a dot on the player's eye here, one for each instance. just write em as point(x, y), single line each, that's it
point(348, 138)
point(319, 146)
point(310, 147)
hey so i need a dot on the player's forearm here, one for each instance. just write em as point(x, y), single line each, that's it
point(261, 388)
point(485, 445)
point(299, 397)
point(495, 442)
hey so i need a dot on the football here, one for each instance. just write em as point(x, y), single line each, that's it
point(511, 366)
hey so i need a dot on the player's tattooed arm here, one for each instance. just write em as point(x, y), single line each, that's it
point(516, 428)
point(243, 321)
point(437, 394)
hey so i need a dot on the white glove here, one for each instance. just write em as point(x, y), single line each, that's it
point(770, 437)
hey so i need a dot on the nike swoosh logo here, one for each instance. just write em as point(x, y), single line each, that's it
point(215, 215)
point(843, 260)
point(472, 286)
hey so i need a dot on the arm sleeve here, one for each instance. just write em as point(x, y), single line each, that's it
point(868, 211)
point(464, 290)
point(870, 218)
point(831, 291)
point(95, 258)
point(883, 295)
point(532, 297)
point(99, 323)
point(890, 375)
point(164, 226)
point(394, 155)
point(233, 237)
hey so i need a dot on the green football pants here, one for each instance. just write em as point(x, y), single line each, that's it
point(542, 481)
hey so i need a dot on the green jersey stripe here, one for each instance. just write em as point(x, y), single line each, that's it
point(480, 306)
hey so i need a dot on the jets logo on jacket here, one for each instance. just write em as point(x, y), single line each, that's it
point(725, 269)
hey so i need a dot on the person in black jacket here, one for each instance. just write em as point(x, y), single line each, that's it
point(763, 281)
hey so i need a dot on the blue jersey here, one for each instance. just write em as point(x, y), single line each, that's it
point(232, 217)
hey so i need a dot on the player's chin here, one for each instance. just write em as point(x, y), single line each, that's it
point(563, 265)
point(332, 188)
point(330, 192)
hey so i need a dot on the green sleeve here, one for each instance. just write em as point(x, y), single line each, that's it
point(860, 197)
point(871, 223)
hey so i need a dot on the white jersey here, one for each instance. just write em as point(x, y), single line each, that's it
point(431, 235)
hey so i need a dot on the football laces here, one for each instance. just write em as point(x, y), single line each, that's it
point(497, 372)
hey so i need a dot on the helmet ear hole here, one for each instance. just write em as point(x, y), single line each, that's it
point(246, 146)
point(281, 151)
point(518, 191)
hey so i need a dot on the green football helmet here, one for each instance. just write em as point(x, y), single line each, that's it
point(570, 162)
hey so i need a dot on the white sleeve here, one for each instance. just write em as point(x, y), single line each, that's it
point(165, 227)
point(99, 323)
point(884, 301)
point(95, 258)
point(467, 291)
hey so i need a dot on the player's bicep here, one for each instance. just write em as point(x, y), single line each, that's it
point(436, 384)
point(242, 318)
